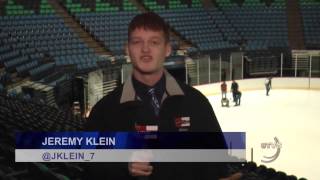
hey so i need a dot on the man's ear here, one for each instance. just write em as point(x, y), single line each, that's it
point(168, 49)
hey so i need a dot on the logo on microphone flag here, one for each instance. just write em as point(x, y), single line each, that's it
point(146, 128)
point(182, 122)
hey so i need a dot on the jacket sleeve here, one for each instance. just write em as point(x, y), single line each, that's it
point(206, 121)
point(92, 123)
point(103, 170)
point(204, 116)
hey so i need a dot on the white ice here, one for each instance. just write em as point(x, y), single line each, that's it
point(293, 116)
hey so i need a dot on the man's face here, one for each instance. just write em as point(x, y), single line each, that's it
point(147, 50)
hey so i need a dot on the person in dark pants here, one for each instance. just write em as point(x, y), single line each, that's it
point(238, 95)
point(152, 97)
point(224, 100)
point(234, 89)
point(267, 83)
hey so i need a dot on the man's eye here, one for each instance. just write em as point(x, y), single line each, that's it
point(135, 42)
point(155, 42)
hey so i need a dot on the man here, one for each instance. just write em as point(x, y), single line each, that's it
point(151, 96)
point(234, 89)
point(238, 97)
point(267, 83)
point(224, 100)
point(224, 90)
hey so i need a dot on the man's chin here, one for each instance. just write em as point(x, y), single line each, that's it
point(148, 71)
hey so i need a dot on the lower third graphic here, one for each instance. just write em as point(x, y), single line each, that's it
point(47, 156)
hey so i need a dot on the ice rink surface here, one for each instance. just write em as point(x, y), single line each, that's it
point(292, 116)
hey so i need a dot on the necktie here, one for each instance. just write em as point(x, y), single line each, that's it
point(154, 101)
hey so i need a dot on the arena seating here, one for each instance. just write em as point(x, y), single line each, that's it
point(267, 29)
point(105, 22)
point(193, 23)
point(108, 27)
point(311, 22)
point(46, 34)
point(41, 32)
point(36, 43)
point(17, 115)
point(35, 28)
point(229, 31)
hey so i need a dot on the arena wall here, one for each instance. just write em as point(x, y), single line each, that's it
point(258, 84)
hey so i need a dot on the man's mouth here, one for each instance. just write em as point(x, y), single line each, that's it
point(146, 58)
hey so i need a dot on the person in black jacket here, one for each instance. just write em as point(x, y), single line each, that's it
point(152, 97)
point(267, 83)
point(234, 90)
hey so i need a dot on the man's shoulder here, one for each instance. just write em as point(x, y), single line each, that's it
point(112, 98)
point(234, 84)
point(104, 108)
point(191, 92)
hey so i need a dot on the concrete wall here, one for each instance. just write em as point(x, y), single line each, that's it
point(258, 84)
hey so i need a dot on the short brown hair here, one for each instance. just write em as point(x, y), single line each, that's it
point(150, 21)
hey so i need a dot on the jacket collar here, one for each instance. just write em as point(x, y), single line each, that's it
point(172, 89)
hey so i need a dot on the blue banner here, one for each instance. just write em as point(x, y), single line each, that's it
point(130, 140)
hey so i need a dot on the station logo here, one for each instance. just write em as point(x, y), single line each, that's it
point(271, 145)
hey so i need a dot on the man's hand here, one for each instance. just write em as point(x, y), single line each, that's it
point(140, 168)
point(235, 176)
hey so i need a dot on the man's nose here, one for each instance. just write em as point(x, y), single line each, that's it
point(145, 47)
